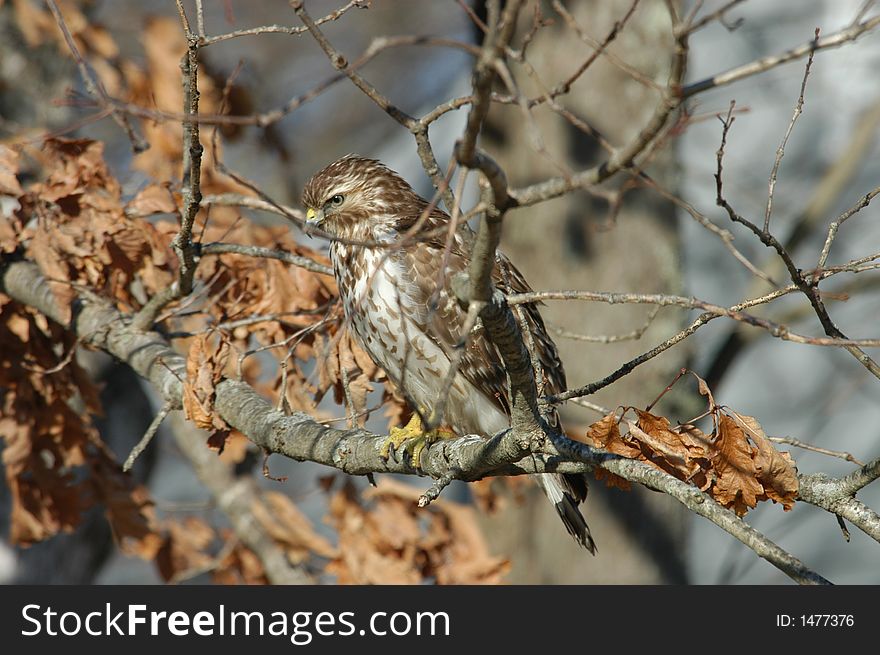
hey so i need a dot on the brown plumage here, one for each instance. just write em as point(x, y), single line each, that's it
point(402, 311)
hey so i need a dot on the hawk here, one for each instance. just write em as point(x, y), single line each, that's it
point(397, 299)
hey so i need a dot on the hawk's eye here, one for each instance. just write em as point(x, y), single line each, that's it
point(336, 200)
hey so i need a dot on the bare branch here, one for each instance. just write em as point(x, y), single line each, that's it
point(863, 202)
point(634, 335)
point(258, 251)
point(816, 449)
point(809, 287)
point(693, 25)
point(341, 64)
point(663, 300)
point(94, 85)
point(780, 152)
point(624, 157)
point(357, 452)
point(147, 438)
point(837, 496)
point(766, 63)
point(182, 244)
point(282, 29)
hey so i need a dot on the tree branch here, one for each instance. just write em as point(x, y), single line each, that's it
point(624, 157)
point(838, 496)
point(766, 63)
point(357, 451)
point(182, 244)
point(95, 87)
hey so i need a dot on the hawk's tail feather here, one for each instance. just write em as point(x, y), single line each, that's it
point(565, 499)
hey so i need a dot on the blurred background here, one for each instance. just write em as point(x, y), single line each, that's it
point(621, 237)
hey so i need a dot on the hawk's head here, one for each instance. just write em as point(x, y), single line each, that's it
point(360, 198)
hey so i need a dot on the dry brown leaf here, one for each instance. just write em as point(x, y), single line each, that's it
point(37, 25)
point(235, 448)
point(386, 538)
point(454, 547)
point(205, 364)
point(83, 235)
point(672, 451)
point(736, 485)
point(605, 434)
point(486, 496)
point(283, 520)
point(49, 452)
point(240, 565)
point(154, 199)
point(704, 389)
point(466, 558)
point(44, 505)
point(9, 184)
point(128, 509)
point(365, 556)
point(184, 549)
point(775, 470)
point(10, 233)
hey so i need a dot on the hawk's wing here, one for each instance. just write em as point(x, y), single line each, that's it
point(444, 320)
point(437, 309)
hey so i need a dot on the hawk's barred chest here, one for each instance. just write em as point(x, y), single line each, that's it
point(389, 318)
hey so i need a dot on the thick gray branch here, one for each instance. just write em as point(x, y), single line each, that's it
point(98, 324)
point(838, 496)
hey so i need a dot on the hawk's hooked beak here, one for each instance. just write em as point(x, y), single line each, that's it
point(313, 219)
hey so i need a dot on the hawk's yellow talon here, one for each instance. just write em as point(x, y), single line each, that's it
point(412, 438)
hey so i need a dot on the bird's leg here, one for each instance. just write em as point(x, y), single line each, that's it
point(413, 437)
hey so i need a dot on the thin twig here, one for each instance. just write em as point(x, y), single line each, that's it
point(624, 157)
point(282, 29)
point(780, 151)
point(432, 493)
point(147, 438)
point(863, 202)
point(809, 287)
point(816, 449)
point(635, 335)
point(182, 243)
point(341, 64)
point(776, 329)
point(766, 63)
point(692, 26)
point(95, 87)
point(218, 248)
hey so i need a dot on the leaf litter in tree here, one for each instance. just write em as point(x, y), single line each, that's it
point(736, 464)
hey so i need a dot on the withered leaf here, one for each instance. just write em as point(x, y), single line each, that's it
point(673, 451)
point(736, 484)
point(775, 470)
point(9, 184)
point(184, 549)
point(153, 199)
point(283, 520)
point(240, 565)
point(128, 508)
point(389, 539)
point(605, 434)
point(205, 364)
